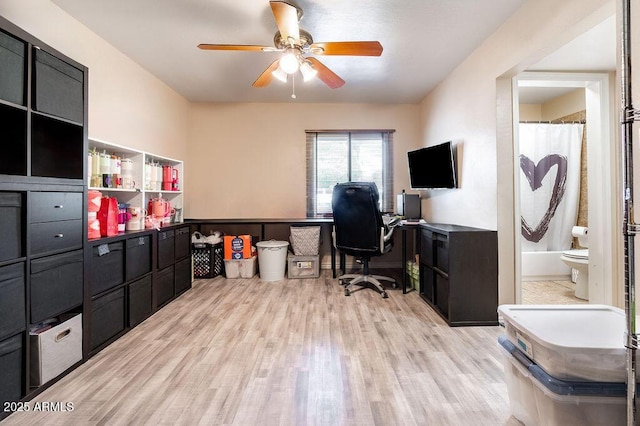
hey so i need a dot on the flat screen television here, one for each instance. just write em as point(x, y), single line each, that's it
point(432, 167)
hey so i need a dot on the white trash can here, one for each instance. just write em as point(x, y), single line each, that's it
point(272, 259)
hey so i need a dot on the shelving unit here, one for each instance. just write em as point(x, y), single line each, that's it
point(142, 189)
point(43, 115)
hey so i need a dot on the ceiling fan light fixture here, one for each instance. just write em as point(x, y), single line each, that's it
point(289, 63)
point(308, 72)
point(280, 75)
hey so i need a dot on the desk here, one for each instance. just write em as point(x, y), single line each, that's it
point(267, 229)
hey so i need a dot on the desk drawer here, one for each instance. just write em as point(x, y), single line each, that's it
point(51, 236)
point(54, 206)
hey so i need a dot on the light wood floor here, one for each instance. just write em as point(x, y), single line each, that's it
point(294, 352)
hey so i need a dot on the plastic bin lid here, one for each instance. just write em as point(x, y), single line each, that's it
point(272, 244)
point(594, 327)
point(563, 387)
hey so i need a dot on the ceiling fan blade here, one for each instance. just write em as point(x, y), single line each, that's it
point(329, 78)
point(248, 47)
point(266, 76)
point(286, 17)
point(349, 48)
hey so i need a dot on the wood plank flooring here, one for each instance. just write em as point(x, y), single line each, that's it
point(293, 352)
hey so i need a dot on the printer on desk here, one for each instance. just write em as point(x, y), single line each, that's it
point(408, 205)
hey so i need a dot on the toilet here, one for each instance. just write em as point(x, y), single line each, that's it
point(578, 259)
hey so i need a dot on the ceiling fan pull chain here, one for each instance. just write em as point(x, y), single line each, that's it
point(293, 80)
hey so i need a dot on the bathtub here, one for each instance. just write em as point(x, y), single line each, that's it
point(544, 266)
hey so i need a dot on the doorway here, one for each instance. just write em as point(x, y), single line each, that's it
point(601, 166)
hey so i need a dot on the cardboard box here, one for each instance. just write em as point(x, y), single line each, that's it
point(237, 247)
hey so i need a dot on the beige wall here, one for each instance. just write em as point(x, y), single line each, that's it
point(564, 105)
point(248, 160)
point(463, 107)
point(127, 104)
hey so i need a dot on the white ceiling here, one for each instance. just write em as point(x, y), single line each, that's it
point(593, 51)
point(423, 40)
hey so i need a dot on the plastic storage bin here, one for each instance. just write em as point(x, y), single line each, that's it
point(583, 342)
point(303, 266)
point(55, 350)
point(272, 257)
point(537, 398)
point(208, 260)
point(240, 268)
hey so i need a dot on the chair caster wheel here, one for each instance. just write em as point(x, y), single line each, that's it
point(347, 292)
point(394, 285)
point(384, 295)
point(341, 282)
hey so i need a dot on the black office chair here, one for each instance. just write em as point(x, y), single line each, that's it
point(359, 231)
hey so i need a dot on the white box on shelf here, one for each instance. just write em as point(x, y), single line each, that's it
point(583, 342)
point(55, 350)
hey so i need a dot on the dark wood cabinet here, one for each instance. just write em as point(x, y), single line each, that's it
point(131, 276)
point(459, 273)
point(42, 202)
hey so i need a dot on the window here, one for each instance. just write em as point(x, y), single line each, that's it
point(341, 156)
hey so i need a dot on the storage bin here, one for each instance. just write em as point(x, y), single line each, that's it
point(303, 266)
point(10, 225)
point(58, 87)
point(106, 267)
point(108, 317)
point(56, 284)
point(12, 54)
point(536, 398)
point(241, 268)
point(166, 241)
point(11, 369)
point(572, 342)
point(208, 261)
point(55, 350)
point(272, 256)
point(182, 275)
point(138, 257)
point(12, 300)
point(182, 243)
point(140, 300)
point(305, 240)
point(165, 285)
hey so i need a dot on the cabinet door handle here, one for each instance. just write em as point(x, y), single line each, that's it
point(59, 206)
point(58, 236)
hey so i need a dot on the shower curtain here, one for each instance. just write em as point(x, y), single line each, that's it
point(549, 184)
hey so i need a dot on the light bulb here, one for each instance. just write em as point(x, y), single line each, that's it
point(308, 72)
point(289, 63)
point(280, 75)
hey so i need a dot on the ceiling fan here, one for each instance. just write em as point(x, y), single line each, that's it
point(297, 44)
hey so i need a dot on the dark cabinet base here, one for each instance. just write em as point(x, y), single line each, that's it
point(459, 273)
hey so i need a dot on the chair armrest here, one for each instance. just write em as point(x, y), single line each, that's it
point(385, 237)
